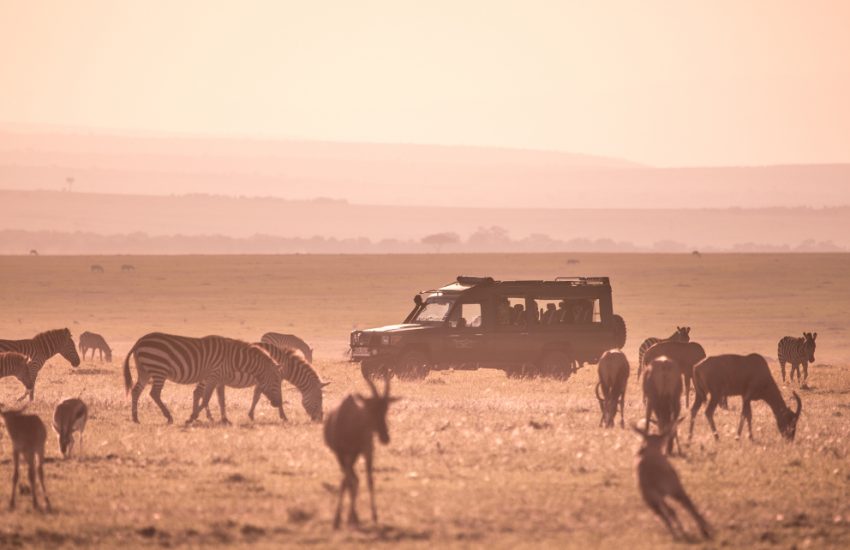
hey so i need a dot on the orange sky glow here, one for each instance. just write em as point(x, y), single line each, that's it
point(665, 83)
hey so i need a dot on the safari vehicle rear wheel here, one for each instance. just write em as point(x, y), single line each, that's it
point(619, 332)
point(557, 364)
point(412, 365)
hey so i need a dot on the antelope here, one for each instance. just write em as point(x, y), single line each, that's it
point(70, 416)
point(748, 376)
point(28, 436)
point(613, 379)
point(662, 390)
point(349, 432)
point(685, 354)
point(658, 480)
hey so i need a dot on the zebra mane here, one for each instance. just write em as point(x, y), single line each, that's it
point(54, 333)
point(290, 359)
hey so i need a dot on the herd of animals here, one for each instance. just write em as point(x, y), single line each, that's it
point(667, 369)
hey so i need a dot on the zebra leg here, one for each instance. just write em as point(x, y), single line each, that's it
point(197, 399)
point(782, 369)
point(156, 395)
point(805, 371)
point(220, 394)
point(16, 459)
point(136, 392)
point(255, 400)
point(793, 369)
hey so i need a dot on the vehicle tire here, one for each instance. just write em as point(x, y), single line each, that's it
point(557, 364)
point(373, 369)
point(619, 332)
point(412, 365)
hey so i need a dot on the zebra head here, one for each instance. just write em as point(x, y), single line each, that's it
point(68, 350)
point(58, 341)
point(311, 400)
point(809, 345)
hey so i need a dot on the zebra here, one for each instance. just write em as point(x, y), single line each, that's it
point(95, 342)
point(292, 369)
point(40, 349)
point(205, 362)
point(797, 351)
point(682, 334)
point(18, 365)
point(128, 267)
point(288, 341)
point(96, 268)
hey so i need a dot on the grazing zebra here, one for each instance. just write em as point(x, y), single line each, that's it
point(18, 365)
point(797, 351)
point(288, 341)
point(95, 268)
point(41, 348)
point(128, 267)
point(292, 369)
point(682, 334)
point(95, 342)
point(205, 362)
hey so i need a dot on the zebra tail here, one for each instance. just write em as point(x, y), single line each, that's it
point(128, 378)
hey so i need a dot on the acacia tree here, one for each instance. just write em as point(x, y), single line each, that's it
point(439, 240)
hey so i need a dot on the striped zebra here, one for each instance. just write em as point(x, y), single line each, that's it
point(18, 365)
point(294, 370)
point(205, 362)
point(682, 334)
point(96, 343)
point(797, 351)
point(40, 349)
point(288, 341)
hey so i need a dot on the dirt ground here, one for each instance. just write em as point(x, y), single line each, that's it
point(475, 459)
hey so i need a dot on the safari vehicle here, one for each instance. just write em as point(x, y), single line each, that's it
point(526, 328)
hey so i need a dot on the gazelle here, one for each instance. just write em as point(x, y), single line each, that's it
point(658, 480)
point(349, 432)
point(28, 436)
point(70, 416)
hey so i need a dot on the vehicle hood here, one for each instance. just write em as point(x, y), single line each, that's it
point(398, 329)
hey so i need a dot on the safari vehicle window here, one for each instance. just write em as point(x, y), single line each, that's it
point(510, 311)
point(569, 311)
point(435, 311)
point(466, 315)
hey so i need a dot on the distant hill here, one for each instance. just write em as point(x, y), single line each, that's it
point(241, 218)
point(386, 174)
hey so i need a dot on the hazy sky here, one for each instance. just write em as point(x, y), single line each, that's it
point(660, 82)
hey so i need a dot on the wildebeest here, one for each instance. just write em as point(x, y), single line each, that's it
point(745, 375)
point(613, 379)
point(349, 432)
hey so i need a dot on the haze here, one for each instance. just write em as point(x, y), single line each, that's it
point(658, 83)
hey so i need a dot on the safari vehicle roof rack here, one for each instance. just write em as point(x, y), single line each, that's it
point(472, 281)
point(584, 281)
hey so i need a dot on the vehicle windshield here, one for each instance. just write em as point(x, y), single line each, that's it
point(435, 311)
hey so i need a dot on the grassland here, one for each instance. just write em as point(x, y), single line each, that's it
point(475, 459)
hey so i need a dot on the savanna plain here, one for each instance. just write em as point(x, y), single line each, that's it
point(476, 459)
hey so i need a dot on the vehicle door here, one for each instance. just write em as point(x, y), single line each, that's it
point(466, 342)
point(509, 338)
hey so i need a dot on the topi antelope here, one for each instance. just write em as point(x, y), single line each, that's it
point(28, 436)
point(349, 432)
point(658, 480)
point(662, 390)
point(685, 354)
point(70, 416)
point(613, 379)
point(745, 375)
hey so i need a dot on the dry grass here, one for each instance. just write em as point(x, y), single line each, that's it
point(475, 458)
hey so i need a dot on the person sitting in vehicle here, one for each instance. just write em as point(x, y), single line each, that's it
point(518, 317)
point(565, 315)
point(503, 312)
point(550, 316)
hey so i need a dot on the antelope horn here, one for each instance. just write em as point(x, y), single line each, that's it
point(799, 405)
point(368, 380)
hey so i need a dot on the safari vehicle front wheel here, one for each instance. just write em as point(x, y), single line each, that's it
point(557, 364)
point(412, 365)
